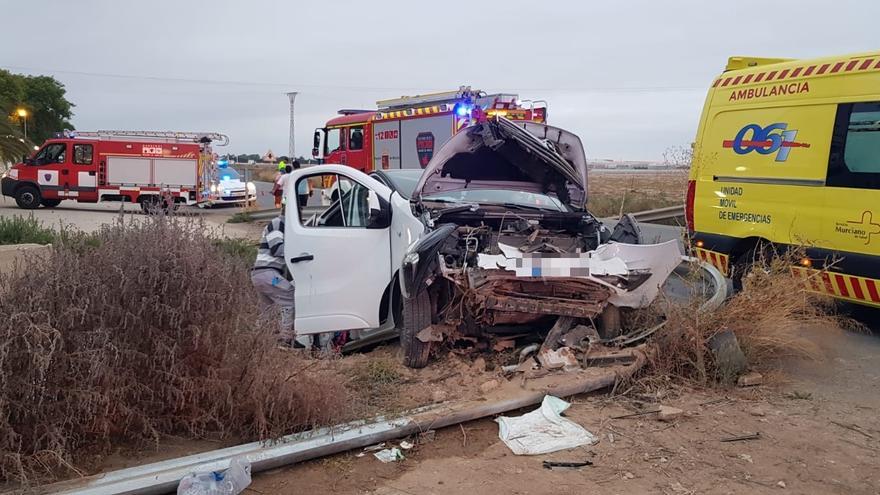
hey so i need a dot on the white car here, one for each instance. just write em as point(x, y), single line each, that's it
point(230, 189)
point(493, 238)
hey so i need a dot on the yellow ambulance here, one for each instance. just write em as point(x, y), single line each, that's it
point(788, 153)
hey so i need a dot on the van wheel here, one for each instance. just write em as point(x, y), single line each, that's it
point(27, 197)
point(50, 203)
point(416, 316)
point(609, 322)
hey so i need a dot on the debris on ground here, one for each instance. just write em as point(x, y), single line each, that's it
point(389, 455)
point(543, 430)
point(560, 358)
point(740, 438)
point(730, 361)
point(566, 464)
point(668, 413)
point(231, 481)
point(750, 379)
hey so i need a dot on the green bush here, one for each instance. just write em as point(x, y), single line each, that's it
point(238, 248)
point(241, 217)
point(24, 230)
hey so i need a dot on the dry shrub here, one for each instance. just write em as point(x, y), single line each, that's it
point(147, 329)
point(768, 318)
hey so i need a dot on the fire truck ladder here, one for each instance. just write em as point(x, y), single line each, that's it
point(164, 136)
point(434, 98)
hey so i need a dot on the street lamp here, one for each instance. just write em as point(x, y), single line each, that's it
point(23, 113)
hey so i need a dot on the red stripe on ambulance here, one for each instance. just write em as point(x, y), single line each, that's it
point(841, 285)
point(857, 288)
point(872, 290)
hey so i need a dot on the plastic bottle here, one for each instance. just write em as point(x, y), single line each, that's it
point(232, 481)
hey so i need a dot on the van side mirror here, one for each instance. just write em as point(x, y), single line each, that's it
point(380, 212)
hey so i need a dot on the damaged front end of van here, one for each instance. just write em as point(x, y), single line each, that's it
point(511, 248)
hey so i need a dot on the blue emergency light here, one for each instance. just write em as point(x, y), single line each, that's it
point(463, 109)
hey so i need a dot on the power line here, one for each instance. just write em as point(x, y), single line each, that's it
point(299, 85)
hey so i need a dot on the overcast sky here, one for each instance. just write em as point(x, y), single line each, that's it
point(628, 76)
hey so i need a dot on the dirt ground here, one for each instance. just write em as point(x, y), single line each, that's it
point(817, 424)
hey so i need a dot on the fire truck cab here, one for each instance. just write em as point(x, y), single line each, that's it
point(145, 167)
point(405, 132)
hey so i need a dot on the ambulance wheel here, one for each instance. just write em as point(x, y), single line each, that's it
point(27, 197)
point(759, 255)
point(50, 203)
point(416, 316)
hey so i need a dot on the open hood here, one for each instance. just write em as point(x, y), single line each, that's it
point(517, 156)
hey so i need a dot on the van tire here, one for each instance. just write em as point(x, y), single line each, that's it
point(417, 315)
point(27, 197)
point(609, 322)
point(50, 203)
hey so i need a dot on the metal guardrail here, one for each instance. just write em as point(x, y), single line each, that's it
point(271, 213)
point(647, 216)
point(668, 213)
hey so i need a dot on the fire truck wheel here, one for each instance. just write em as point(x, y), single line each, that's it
point(27, 197)
point(50, 203)
point(149, 204)
point(416, 316)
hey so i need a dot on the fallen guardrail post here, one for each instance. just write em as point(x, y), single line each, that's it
point(163, 477)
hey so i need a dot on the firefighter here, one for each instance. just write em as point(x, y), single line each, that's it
point(269, 276)
point(277, 191)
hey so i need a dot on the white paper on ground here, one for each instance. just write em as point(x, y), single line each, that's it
point(543, 430)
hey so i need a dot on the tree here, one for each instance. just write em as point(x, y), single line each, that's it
point(43, 98)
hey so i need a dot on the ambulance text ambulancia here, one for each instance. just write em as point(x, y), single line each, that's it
point(788, 154)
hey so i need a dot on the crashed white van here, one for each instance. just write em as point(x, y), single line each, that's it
point(495, 240)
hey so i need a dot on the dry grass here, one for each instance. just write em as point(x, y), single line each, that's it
point(148, 330)
point(768, 318)
point(613, 192)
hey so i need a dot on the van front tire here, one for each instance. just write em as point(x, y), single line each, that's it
point(416, 316)
point(27, 197)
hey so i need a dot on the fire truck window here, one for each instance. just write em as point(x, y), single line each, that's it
point(82, 154)
point(854, 160)
point(53, 153)
point(356, 139)
point(334, 141)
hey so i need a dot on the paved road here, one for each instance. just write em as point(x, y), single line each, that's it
point(91, 216)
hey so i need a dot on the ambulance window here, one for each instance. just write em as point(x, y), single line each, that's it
point(53, 153)
point(82, 154)
point(356, 139)
point(854, 160)
point(334, 141)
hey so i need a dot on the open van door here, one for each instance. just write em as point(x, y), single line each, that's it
point(338, 254)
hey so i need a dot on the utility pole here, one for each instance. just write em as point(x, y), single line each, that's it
point(291, 145)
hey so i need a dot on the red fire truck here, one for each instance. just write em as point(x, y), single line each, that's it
point(404, 132)
point(146, 167)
